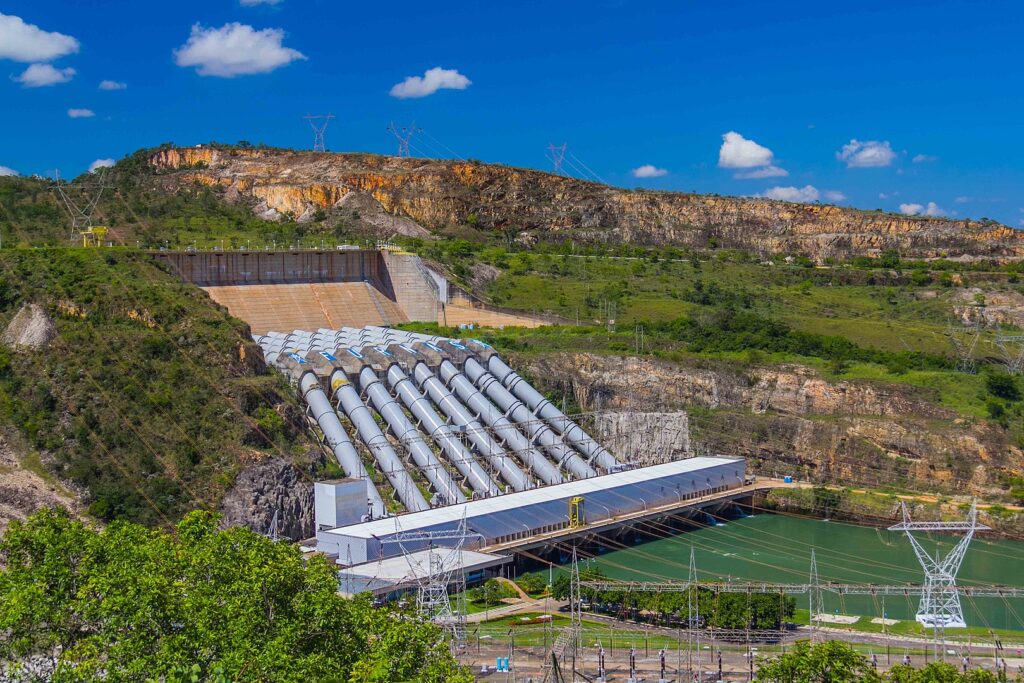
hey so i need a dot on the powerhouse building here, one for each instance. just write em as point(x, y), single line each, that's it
point(507, 519)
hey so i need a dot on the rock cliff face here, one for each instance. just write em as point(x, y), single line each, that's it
point(267, 487)
point(531, 204)
point(790, 420)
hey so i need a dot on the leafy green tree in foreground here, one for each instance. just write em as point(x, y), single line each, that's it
point(836, 662)
point(127, 603)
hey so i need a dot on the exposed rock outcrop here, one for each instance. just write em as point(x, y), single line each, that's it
point(791, 420)
point(438, 194)
point(30, 328)
point(25, 490)
point(265, 487)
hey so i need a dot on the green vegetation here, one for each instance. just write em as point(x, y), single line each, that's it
point(490, 593)
point(151, 397)
point(200, 604)
point(836, 662)
point(717, 610)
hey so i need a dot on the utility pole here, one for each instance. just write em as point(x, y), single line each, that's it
point(318, 122)
point(403, 135)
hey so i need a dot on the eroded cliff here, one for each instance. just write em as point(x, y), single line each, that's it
point(790, 420)
point(532, 204)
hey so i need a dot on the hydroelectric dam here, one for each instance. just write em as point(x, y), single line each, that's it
point(440, 440)
point(441, 443)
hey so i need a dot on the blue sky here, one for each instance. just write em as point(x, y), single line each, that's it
point(924, 97)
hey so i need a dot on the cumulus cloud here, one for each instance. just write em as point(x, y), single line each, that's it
point(100, 163)
point(649, 171)
point(869, 154)
point(41, 75)
point(429, 83)
point(81, 113)
point(765, 172)
point(235, 50)
point(807, 193)
point(924, 159)
point(929, 209)
point(739, 152)
point(24, 42)
point(834, 196)
point(7, 171)
point(112, 85)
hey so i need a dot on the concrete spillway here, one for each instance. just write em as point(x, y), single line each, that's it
point(457, 411)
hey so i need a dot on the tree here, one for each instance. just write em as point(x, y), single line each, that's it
point(199, 604)
point(830, 662)
point(938, 672)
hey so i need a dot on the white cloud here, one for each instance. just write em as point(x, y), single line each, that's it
point(807, 193)
point(929, 209)
point(765, 172)
point(112, 85)
point(81, 113)
point(869, 154)
point(924, 159)
point(429, 83)
point(4, 171)
point(834, 196)
point(100, 163)
point(24, 42)
point(649, 171)
point(739, 152)
point(40, 75)
point(235, 50)
point(963, 199)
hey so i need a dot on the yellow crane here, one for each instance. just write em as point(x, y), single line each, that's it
point(577, 515)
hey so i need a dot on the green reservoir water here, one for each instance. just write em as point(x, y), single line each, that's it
point(777, 548)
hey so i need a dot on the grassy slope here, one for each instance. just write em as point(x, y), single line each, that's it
point(823, 301)
point(151, 397)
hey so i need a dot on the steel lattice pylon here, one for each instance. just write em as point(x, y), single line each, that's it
point(940, 601)
point(441, 569)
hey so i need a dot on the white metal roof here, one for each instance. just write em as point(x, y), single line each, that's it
point(401, 570)
point(510, 501)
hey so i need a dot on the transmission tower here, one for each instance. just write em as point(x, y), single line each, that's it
point(568, 640)
point(403, 135)
point(693, 616)
point(318, 123)
point(81, 211)
point(814, 601)
point(964, 340)
point(556, 153)
point(1011, 347)
point(940, 601)
point(441, 568)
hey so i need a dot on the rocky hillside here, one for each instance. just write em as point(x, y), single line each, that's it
point(789, 420)
point(407, 195)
